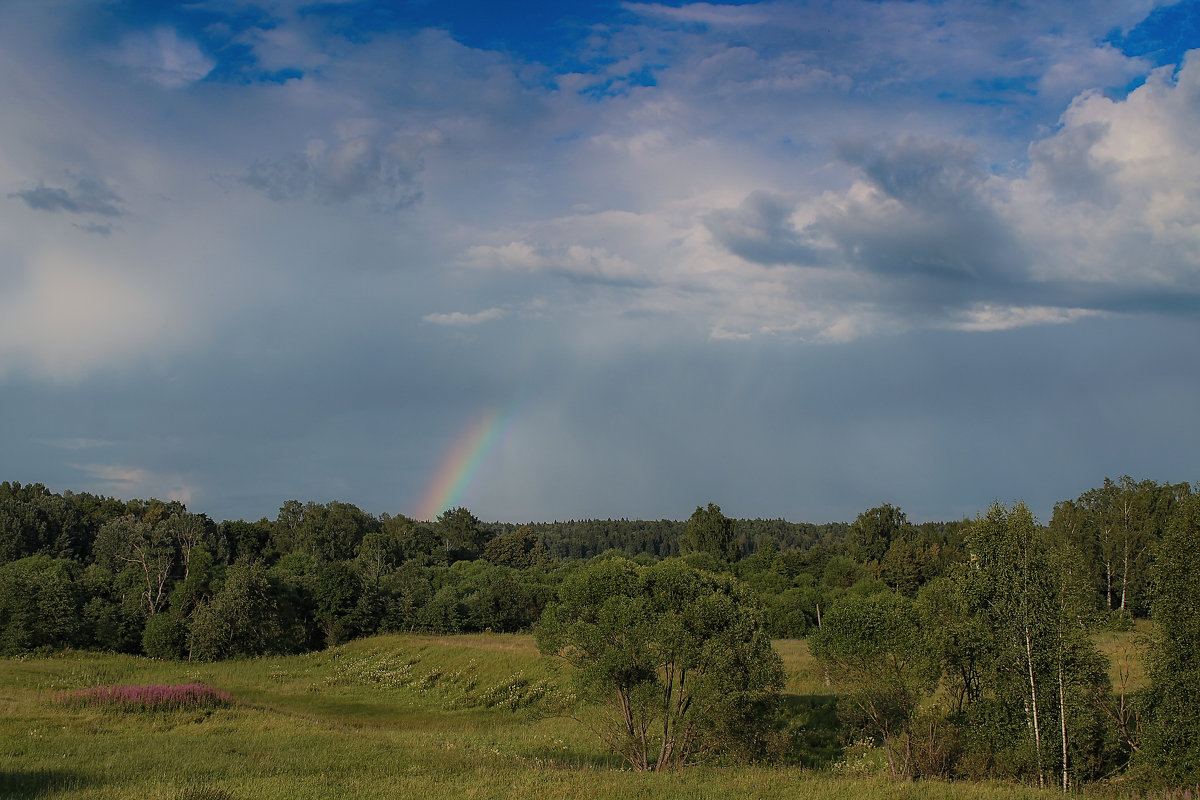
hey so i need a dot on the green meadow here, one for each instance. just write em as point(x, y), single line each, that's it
point(386, 717)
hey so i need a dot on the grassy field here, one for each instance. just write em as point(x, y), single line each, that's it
point(386, 717)
point(1124, 651)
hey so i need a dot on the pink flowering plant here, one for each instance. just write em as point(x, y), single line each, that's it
point(175, 697)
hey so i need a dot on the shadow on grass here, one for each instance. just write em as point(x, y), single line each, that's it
point(813, 727)
point(25, 784)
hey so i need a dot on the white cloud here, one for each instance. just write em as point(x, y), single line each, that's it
point(136, 482)
point(592, 263)
point(985, 317)
point(679, 195)
point(720, 334)
point(163, 57)
point(706, 13)
point(89, 197)
point(695, 198)
point(1113, 196)
point(462, 319)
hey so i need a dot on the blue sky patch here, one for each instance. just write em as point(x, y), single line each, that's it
point(1164, 36)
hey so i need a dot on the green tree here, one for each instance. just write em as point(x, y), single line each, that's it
point(337, 590)
point(872, 533)
point(1041, 667)
point(144, 548)
point(520, 549)
point(1115, 528)
point(463, 535)
point(709, 531)
point(190, 531)
point(1172, 737)
point(241, 539)
point(39, 604)
point(164, 637)
point(902, 565)
point(242, 619)
point(495, 600)
point(678, 659)
point(878, 650)
point(956, 637)
point(329, 532)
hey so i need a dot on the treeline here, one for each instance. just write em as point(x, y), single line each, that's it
point(148, 576)
point(660, 538)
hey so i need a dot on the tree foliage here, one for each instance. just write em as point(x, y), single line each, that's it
point(1038, 665)
point(679, 658)
point(463, 535)
point(1173, 740)
point(39, 604)
point(1002, 605)
point(242, 619)
point(872, 533)
point(877, 649)
point(711, 532)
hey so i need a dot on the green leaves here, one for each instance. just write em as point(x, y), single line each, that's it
point(679, 657)
point(876, 648)
point(711, 532)
point(1173, 741)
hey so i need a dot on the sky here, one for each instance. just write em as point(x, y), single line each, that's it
point(556, 260)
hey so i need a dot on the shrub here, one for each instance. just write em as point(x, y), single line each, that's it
point(164, 637)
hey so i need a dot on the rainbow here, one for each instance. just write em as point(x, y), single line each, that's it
point(460, 465)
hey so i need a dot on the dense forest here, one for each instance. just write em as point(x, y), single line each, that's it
point(993, 610)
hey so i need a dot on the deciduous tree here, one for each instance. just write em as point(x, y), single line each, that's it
point(877, 649)
point(1173, 736)
point(678, 659)
point(709, 531)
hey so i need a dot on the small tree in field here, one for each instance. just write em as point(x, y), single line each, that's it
point(677, 659)
point(876, 649)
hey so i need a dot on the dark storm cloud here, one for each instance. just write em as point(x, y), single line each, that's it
point(760, 230)
point(88, 197)
point(941, 222)
point(926, 230)
point(104, 230)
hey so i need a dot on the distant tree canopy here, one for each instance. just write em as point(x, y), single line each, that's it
point(1115, 529)
point(710, 533)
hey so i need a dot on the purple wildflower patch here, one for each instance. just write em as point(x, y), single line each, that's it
point(176, 697)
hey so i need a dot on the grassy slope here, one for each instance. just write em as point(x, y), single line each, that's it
point(392, 716)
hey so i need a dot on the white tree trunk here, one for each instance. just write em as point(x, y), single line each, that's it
point(1062, 715)
point(1037, 734)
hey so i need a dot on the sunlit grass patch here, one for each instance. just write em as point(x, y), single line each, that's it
point(1126, 651)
